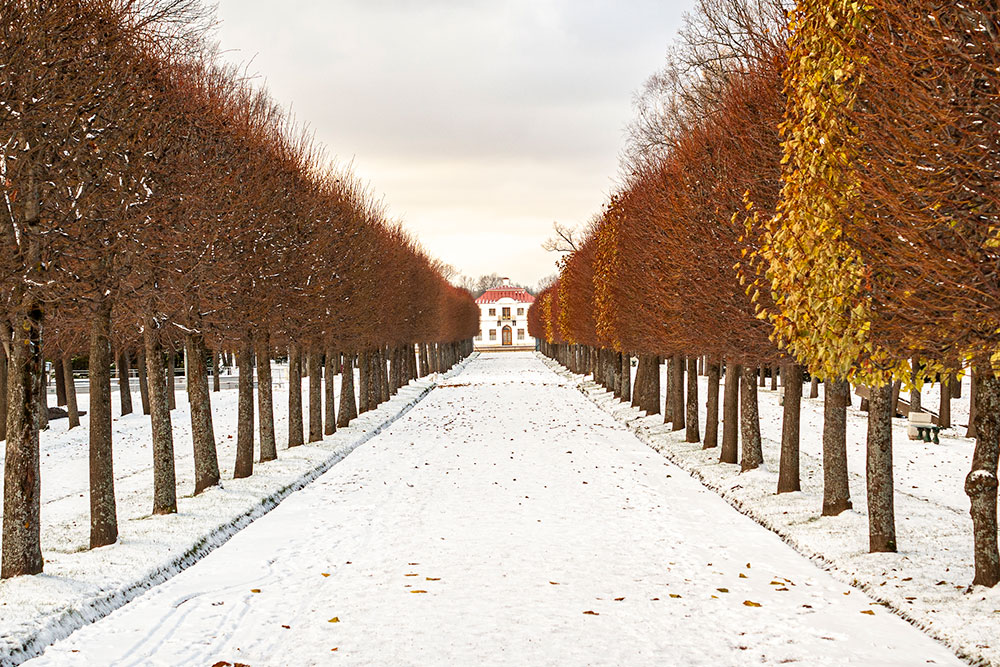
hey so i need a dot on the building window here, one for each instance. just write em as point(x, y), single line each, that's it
point(520, 334)
point(520, 311)
point(506, 313)
point(493, 334)
point(493, 312)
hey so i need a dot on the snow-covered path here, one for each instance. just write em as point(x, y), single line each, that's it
point(504, 520)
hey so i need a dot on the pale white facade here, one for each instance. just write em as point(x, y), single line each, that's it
point(503, 318)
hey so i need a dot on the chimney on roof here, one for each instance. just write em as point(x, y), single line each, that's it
point(505, 282)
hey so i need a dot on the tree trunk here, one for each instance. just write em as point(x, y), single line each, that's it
point(164, 476)
point(626, 377)
point(43, 399)
point(140, 362)
point(295, 433)
point(761, 376)
point(814, 387)
point(956, 386)
point(788, 466)
point(315, 396)
point(348, 409)
point(752, 455)
point(878, 469)
point(421, 359)
point(374, 392)
point(124, 386)
point(245, 416)
point(265, 398)
point(693, 434)
point(944, 409)
point(216, 380)
point(677, 393)
point(384, 373)
point(21, 543)
point(171, 378)
point(72, 410)
point(774, 378)
point(206, 459)
point(364, 373)
point(730, 415)
point(374, 380)
point(981, 483)
point(331, 361)
point(895, 398)
point(973, 382)
point(915, 392)
point(5, 343)
point(712, 418)
point(103, 509)
point(60, 379)
point(653, 382)
point(395, 370)
point(836, 490)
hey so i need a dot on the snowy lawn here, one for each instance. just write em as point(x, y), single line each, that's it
point(504, 520)
point(927, 581)
point(80, 585)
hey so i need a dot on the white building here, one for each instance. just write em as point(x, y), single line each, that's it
point(503, 319)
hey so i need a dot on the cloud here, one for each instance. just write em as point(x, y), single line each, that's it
point(481, 122)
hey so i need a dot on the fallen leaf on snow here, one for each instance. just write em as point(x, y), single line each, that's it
point(591, 613)
point(433, 578)
point(751, 603)
point(417, 591)
point(868, 611)
point(325, 574)
point(335, 619)
point(619, 599)
point(674, 595)
point(722, 590)
point(255, 590)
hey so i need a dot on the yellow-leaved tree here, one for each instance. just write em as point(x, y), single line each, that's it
point(822, 310)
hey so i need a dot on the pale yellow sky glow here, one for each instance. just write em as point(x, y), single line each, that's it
point(479, 122)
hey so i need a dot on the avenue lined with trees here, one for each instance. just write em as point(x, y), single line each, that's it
point(157, 205)
point(810, 192)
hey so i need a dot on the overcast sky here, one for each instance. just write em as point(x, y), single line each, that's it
point(480, 122)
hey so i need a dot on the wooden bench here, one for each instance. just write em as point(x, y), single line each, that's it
point(922, 427)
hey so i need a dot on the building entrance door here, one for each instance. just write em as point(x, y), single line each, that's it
point(507, 337)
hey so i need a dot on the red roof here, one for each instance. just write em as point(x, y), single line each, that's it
point(494, 294)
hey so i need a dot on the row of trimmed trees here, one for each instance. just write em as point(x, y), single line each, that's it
point(820, 196)
point(154, 201)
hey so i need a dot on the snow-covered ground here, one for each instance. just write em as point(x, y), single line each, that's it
point(927, 581)
point(506, 519)
point(80, 585)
